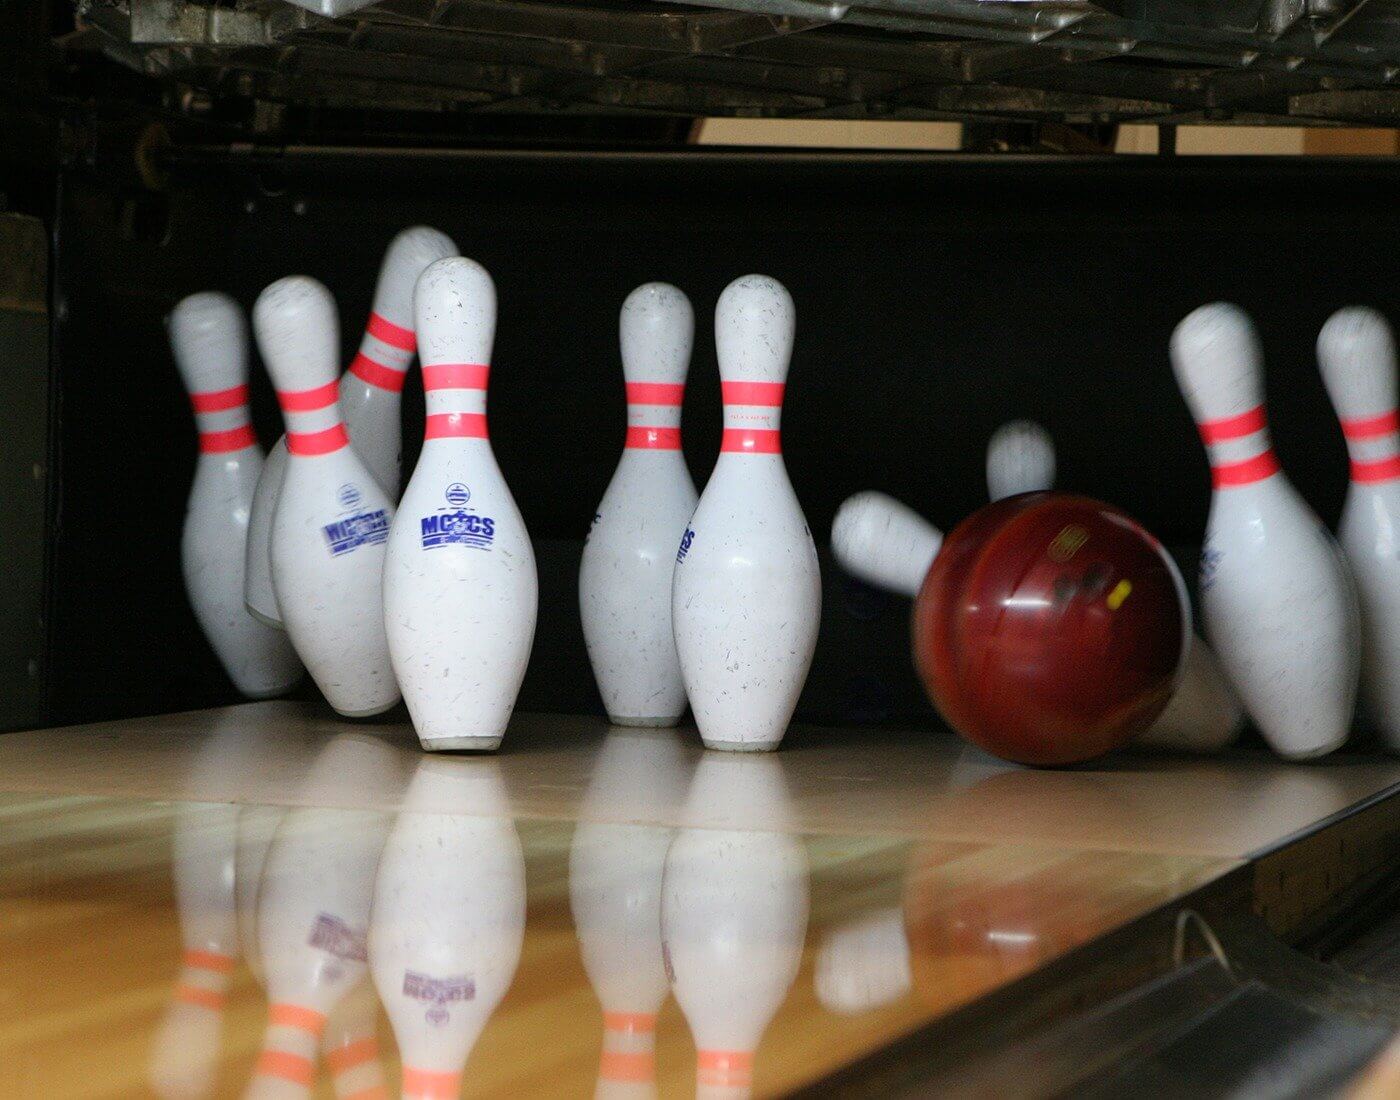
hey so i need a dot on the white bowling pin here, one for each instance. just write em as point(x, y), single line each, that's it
point(884, 542)
point(1020, 459)
point(746, 596)
point(1280, 609)
point(369, 399)
point(624, 582)
point(1357, 356)
point(615, 867)
point(314, 906)
point(733, 915)
point(210, 340)
point(460, 590)
point(449, 919)
point(186, 1050)
point(332, 519)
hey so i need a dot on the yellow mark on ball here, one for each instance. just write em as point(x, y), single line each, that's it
point(1119, 594)
point(1068, 542)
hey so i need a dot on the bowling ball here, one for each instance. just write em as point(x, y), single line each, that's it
point(1050, 629)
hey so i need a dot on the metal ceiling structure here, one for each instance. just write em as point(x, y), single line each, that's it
point(1304, 62)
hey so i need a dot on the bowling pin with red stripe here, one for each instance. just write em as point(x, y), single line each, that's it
point(746, 597)
point(332, 519)
point(624, 580)
point(1280, 610)
point(460, 589)
point(369, 398)
point(210, 340)
point(1357, 355)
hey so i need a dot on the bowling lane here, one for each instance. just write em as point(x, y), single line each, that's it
point(156, 877)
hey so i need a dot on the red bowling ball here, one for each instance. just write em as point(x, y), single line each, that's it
point(1050, 629)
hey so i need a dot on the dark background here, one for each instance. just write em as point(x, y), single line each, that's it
point(937, 297)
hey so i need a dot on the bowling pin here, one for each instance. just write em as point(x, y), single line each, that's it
point(369, 398)
point(314, 906)
point(1357, 356)
point(628, 560)
point(332, 519)
point(1280, 609)
point(210, 341)
point(449, 919)
point(350, 1046)
point(746, 597)
point(734, 900)
point(615, 869)
point(460, 590)
point(1020, 459)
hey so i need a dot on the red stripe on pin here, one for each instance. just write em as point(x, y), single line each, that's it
point(456, 426)
point(381, 328)
point(765, 441)
point(377, 374)
point(654, 439)
point(752, 393)
point(1368, 427)
point(300, 401)
point(318, 443)
point(655, 393)
point(213, 401)
point(1385, 469)
point(1232, 474)
point(1233, 427)
point(455, 376)
point(235, 439)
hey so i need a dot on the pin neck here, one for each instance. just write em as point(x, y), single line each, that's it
point(424, 1084)
point(654, 415)
point(1373, 445)
point(314, 425)
point(222, 420)
point(753, 414)
point(1239, 449)
point(455, 395)
point(724, 1069)
point(386, 351)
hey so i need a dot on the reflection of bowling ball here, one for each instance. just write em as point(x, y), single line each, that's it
point(1050, 629)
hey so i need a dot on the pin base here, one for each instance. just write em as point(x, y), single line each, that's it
point(270, 693)
point(741, 746)
point(664, 722)
point(460, 744)
point(266, 620)
point(368, 712)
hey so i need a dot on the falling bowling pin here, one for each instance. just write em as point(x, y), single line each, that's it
point(1020, 459)
point(210, 341)
point(1280, 609)
point(1357, 356)
point(449, 918)
point(628, 561)
point(734, 900)
point(369, 398)
point(460, 589)
point(746, 597)
point(332, 519)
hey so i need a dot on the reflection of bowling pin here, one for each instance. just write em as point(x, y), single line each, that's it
point(351, 1046)
point(1279, 605)
point(449, 918)
point(1020, 459)
point(746, 597)
point(210, 341)
point(864, 963)
point(369, 398)
point(257, 825)
point(187, 1045)
point(624, 582)
point(314, 904)
point(733, 915)
point(460, 589)
point(332, 519)
point(1357, 355)
point(615, 893)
